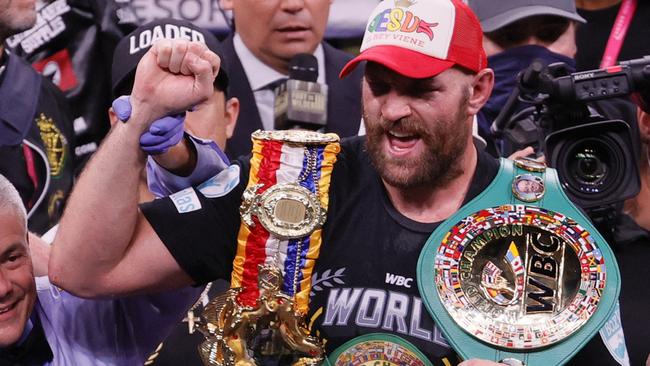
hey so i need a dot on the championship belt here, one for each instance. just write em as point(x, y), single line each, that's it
point(283, 210)
point(519, 275)
point(378, 349)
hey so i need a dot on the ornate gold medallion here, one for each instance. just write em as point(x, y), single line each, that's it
point(287, 210)
point(530, 165)
point(528, 188)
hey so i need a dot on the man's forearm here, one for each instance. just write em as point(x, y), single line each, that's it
point(209, 161)
point(180, 159)
point(97, 245)
point(101, 214)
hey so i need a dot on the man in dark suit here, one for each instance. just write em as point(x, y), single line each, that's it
point(268, 35)
point(36, 131)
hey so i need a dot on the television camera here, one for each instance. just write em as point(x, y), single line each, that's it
point(596, 158)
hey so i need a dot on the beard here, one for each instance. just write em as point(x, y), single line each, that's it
point(444, 143)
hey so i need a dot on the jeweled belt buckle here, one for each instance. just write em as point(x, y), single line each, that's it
point(520, 279)
point(525, 282)
point(288, 211)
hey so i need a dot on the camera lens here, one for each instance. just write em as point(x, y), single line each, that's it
point(592, 166)
point(596, 162)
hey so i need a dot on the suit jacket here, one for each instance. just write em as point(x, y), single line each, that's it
point(343, 100)
point(36, 142)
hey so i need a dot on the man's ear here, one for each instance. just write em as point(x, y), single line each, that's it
point(480, 90)
point(226, 4)
point(644, 125)
point(231, 113)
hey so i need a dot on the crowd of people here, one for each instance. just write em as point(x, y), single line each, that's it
point(125, 151)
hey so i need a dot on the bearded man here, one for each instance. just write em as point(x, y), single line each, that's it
point(389, 190)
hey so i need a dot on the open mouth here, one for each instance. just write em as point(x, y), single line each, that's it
point(402, 142)
point(5, 309)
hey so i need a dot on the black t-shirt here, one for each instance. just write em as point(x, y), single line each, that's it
point(365, 278)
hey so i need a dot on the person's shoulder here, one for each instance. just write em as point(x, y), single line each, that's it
point(228, 44)
point(52, 91)
point(47, 96)
point(331, 51)
point(17, 64)
point(487, 160)
point(54, 104)
point(487, 167)
point(353, 155)
point(353, 146)
point(337, 59)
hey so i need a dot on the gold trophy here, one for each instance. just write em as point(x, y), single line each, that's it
point(283, 210)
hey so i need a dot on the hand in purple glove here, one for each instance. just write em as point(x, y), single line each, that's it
point(122, 108)
point(163, 134)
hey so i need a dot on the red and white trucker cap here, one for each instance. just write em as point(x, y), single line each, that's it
point(422, 38)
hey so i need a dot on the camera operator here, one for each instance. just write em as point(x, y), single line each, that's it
point(515, 34)
point(632, 249)
point(639, 207)
point(632, 253)
point(549, 36)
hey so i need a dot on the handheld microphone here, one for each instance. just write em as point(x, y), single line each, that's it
point(301, 102)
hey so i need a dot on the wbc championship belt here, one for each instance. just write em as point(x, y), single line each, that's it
point(519, 275)
point(284, 207)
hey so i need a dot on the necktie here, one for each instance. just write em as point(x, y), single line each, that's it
point(265, 100)
point(274, 84)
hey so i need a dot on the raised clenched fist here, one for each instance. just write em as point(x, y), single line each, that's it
point(171, 77)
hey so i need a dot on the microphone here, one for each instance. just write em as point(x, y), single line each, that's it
point(301, 102)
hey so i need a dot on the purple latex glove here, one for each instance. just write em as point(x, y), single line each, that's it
point(122, 108)
point(162, 134)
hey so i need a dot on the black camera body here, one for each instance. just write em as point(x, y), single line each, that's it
point(596, 158)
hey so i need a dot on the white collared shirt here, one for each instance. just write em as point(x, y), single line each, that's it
point(107, 332)
point(260, 75)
